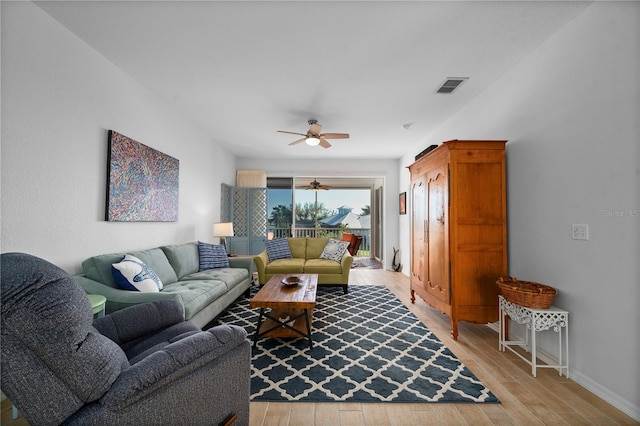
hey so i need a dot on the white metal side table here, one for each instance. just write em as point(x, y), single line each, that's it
point(535, 320)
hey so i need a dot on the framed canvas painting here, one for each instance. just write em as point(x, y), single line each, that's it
point(142, 183)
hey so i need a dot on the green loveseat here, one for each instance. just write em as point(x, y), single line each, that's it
point(203, 294)
point(305, 258)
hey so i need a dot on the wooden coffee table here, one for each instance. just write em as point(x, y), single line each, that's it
point(290, 308)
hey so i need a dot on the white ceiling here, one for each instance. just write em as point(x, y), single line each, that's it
point(243, 70)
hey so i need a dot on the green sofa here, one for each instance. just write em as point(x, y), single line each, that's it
point(305, 258)
point(203, 294)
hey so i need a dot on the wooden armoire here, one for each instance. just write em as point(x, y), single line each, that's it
point(459, 229)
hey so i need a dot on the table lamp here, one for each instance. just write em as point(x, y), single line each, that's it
point(223, 230)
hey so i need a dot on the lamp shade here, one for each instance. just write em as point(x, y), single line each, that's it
point(223, 229)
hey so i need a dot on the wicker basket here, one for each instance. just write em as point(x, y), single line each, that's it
point(526, 293)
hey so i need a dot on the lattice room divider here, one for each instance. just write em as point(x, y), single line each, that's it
point(247, 209)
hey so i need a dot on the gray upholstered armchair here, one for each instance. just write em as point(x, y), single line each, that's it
point(141, 365)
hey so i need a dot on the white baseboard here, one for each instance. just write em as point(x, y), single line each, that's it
point(494, 326)
point(627, 407)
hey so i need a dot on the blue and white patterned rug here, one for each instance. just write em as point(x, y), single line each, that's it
point(367, 347)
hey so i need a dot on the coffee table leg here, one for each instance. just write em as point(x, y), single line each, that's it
point(255, 335)
point(279, 323)
point(306, 318)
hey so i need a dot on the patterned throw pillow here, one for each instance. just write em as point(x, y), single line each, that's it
point(278, 249)
point(133, 274)
point(334, 250)
point(212, 256)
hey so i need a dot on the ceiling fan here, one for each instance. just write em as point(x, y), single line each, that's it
point(315, 185)
point(313, 136)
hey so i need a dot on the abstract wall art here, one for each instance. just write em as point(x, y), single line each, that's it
point(142, 183)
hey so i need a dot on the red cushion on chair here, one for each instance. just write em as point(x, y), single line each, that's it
point(354, 242)
point(349, 237)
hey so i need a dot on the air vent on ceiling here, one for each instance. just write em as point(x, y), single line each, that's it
point(451, 84)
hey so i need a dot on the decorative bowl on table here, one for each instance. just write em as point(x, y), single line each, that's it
point(291, 281)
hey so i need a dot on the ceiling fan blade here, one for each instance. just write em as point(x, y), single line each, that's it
point(335, 135)
point(324, 143)
point(315, 185)
point(298, 141)
point(315, 188)
point(292, 133)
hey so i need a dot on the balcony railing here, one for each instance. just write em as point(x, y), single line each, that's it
point(363, 251)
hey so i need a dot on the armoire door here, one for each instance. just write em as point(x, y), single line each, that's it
point(418, 232)
point(436, 235)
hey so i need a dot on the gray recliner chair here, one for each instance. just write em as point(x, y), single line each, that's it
point(141, 365)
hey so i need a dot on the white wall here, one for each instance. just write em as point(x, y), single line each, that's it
point(570, 111)
point(388, 169)
point(59, 98)
point(571, 114)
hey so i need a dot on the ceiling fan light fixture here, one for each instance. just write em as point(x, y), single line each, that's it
point(313, 136)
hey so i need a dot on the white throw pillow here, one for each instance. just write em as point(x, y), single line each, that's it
point(334, 250)
point(133, 274)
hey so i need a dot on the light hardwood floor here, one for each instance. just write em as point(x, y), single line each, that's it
point(525, 400)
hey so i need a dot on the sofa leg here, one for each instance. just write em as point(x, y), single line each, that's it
point(345, 288)
point(230, 420)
